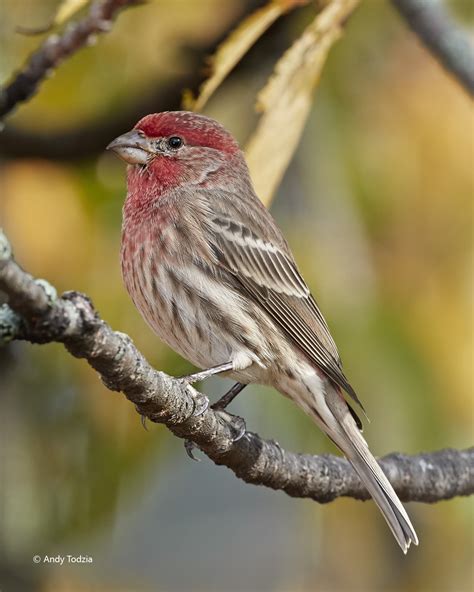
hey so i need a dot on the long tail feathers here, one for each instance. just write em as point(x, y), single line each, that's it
point(382, 492)
point(349, 439)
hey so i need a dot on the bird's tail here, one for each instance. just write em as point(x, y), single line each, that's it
point(342, 429)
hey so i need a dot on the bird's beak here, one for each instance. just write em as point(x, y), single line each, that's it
point(133, 147)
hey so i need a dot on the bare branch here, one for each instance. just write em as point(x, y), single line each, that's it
point(35, 314)
point(88, 138)
point(450, 44)
point(58, 47)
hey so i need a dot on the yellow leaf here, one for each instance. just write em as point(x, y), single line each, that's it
point(64, 12)
point(66, 9)
point(230, 52)
point(287, 97)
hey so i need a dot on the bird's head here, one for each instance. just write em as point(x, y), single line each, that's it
point(176, 145)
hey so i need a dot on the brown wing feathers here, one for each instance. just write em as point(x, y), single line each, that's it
point(271, 276)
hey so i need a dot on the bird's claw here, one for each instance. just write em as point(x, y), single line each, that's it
point(235, 423)
point(201, 405)
point(189, 446)
point(276, 444)
point(143, 419)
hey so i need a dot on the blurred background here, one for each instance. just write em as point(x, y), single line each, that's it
point(377, 207)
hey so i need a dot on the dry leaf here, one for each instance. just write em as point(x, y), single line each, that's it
point(230, 52)
point(287, 98)
point(64, 12)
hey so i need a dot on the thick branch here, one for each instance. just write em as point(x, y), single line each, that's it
point(36, 315)
point(450, 44)
point(58, 47)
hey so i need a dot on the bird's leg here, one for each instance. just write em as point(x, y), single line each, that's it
point(236, 422)
point(230, 395)
point(203, 403)
point(198, 376)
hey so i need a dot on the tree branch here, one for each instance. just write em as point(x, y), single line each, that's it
point(35, 314)
point(58, 47)
point(451, 45)
point(88, 138)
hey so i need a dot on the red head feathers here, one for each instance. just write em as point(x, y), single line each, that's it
point(194, 129)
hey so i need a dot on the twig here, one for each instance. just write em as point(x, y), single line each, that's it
point(450, 44)
point(87, 138)
point(56, 48)
point(35, 314)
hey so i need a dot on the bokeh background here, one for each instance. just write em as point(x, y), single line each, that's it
point(377, 206)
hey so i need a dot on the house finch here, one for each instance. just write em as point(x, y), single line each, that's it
point(211, 273)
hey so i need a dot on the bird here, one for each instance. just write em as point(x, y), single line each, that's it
point(211, 273)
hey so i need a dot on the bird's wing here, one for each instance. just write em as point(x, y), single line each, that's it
point(266, 270)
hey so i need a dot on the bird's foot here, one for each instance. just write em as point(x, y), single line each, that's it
point(277, 444)
point(234, 422)
point(201, 405)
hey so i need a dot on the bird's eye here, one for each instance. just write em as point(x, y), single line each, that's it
point(175, 142)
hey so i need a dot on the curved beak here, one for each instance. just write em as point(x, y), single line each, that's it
point(133, 147)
